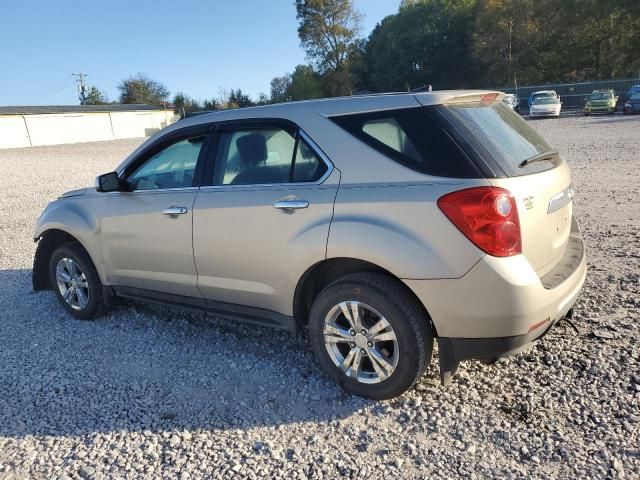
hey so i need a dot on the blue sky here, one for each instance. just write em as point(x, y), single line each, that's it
point(196, 46)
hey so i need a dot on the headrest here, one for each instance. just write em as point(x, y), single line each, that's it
point(252, 148)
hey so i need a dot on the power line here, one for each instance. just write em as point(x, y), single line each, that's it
point(45, 93)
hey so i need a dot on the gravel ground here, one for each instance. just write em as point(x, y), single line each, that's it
point(149, 392)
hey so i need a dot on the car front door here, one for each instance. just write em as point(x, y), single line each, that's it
point(264, 219)
point(146, 229)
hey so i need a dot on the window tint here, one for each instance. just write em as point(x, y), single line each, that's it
point(264, 156)
point(308, 167)
point(171, 167)
point(413, 138)
point(500, 131)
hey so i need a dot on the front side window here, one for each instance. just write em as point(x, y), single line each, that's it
point(171, 167)
point(264, 156)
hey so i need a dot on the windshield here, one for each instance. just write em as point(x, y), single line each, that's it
point(635, 96)
point(601, 96)
point(502, 133)
point(545, 101)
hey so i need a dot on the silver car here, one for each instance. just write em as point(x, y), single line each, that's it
point(378, 224)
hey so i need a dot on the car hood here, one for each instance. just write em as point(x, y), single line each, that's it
point(74, 193)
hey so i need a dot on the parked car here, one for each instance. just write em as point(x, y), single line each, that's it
point(542, 93)
point(632, 90)
point(512, 101)
point(378, 224)
point(545, 106)
point(601, 101)
point(632, 105)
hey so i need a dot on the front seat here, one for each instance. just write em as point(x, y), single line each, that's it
point(252, 149)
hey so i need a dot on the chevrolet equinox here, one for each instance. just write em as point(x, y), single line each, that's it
point(378, 223)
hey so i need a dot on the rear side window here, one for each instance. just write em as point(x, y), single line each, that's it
point(264, 156)
point(413, 138)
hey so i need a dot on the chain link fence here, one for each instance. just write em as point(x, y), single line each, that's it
point(574, 95)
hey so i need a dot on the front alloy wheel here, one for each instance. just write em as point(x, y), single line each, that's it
point(72, 283)
point(75, 281)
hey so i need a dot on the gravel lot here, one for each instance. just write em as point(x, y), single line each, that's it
point(149, 392)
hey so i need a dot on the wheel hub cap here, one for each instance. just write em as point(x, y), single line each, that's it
point(361, 342)
point(72, 283)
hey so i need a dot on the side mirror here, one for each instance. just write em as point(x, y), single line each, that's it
point(108, 182)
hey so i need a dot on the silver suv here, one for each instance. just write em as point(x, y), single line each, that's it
point(378, 223)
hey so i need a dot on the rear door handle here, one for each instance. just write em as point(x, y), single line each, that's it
point(171, 211)
point(291, 204)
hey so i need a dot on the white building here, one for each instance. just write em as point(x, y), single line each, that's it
point(51, 125)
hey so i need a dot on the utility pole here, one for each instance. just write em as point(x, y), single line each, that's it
point(82, 87)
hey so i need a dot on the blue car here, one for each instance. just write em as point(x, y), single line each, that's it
point(632, 90)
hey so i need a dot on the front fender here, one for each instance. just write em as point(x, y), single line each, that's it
point(66, 218)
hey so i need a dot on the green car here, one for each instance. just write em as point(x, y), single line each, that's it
point(601, 101)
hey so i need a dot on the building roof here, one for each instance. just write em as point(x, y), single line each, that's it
point(40, 110)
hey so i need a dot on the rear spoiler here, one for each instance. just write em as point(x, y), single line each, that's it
point(459, 97)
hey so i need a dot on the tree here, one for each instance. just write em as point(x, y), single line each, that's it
point(263, 99)
point(426, 42)
point(237, 99)
point(280, 88)
point(328, 30)
point(211, 105)
point(95, 96)
point(306, 83)
point(183, 104)
point(142, 89)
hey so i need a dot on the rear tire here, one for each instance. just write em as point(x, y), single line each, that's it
point(75, 281)
point(387, 361)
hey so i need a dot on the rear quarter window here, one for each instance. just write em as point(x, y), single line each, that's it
point(413, 138)
point(499, 135)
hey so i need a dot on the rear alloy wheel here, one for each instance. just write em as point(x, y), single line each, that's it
point(370, 335)
point(75, 281)
point(361, 342)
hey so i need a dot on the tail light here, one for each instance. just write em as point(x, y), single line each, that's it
point(488, 216)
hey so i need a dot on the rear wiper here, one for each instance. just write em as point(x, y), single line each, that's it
point(549, 156)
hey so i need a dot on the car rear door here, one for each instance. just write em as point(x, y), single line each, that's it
point(264, 217)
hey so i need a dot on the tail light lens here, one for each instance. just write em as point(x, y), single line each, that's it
point(487, 216)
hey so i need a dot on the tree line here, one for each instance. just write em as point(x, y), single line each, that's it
point(443, 43)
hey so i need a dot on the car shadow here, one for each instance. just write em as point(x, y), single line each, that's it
point(144, 367)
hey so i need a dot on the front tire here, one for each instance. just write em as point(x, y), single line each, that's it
point(75, 281)
point(370, 335)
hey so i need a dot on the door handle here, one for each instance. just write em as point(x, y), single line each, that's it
point(171, 211)
point(291, 204)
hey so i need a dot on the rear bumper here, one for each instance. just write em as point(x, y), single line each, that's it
point(600, 110)
point(501, 306)
point(504, 297)
point(545, 113)
point(456, 350)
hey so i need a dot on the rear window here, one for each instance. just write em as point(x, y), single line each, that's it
point(498, 134)
point(411, 137)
